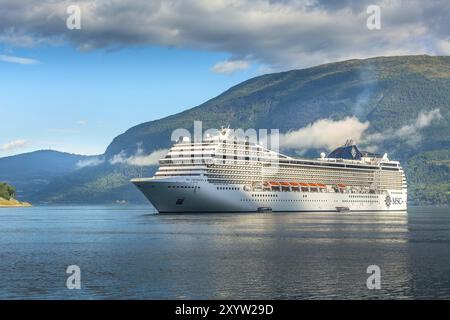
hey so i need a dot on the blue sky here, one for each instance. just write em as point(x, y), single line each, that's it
point(79, 101)
point(137, 60)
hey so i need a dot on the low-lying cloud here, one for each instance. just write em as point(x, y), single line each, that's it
point(329, 134)
point(139, 159)
point(410, 133)
point(324, 134)
point(90, 162)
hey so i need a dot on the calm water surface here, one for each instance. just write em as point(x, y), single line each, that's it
point(130, 253)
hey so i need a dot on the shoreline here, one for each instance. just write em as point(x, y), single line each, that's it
point(13, 203)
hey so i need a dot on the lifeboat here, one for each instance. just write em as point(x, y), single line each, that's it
point(274, 185)
point(285, 186)
point(303, 184)
point(313, 187)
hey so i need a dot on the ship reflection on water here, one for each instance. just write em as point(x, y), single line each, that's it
point(125, 253)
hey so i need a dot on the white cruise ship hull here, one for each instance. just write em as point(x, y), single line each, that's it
point(197, 195)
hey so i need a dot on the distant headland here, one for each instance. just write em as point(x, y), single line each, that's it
point(7, 197)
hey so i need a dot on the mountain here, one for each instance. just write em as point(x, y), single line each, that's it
point(387, 91)
point(30, 172)
point(392, 94)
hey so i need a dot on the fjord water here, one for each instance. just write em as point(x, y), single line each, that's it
point(127, 252)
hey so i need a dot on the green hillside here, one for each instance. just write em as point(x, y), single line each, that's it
point(389, 92)
point(429, 177)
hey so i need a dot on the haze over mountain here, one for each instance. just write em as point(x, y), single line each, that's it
point(398, 105)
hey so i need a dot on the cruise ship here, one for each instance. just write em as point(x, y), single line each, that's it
point(223, 174)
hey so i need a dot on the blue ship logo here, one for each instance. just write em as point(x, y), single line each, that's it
point(388, 201)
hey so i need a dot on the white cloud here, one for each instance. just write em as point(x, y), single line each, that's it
point(18, 60)
point(409, 133)
point(229, 67)
point(82, 122)
point(425, 118)
point(139, 159)
point(329, 134)
point(90, 162)
point(324, 133)
point(16, 144)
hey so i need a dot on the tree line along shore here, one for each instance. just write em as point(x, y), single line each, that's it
point(7, 197)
